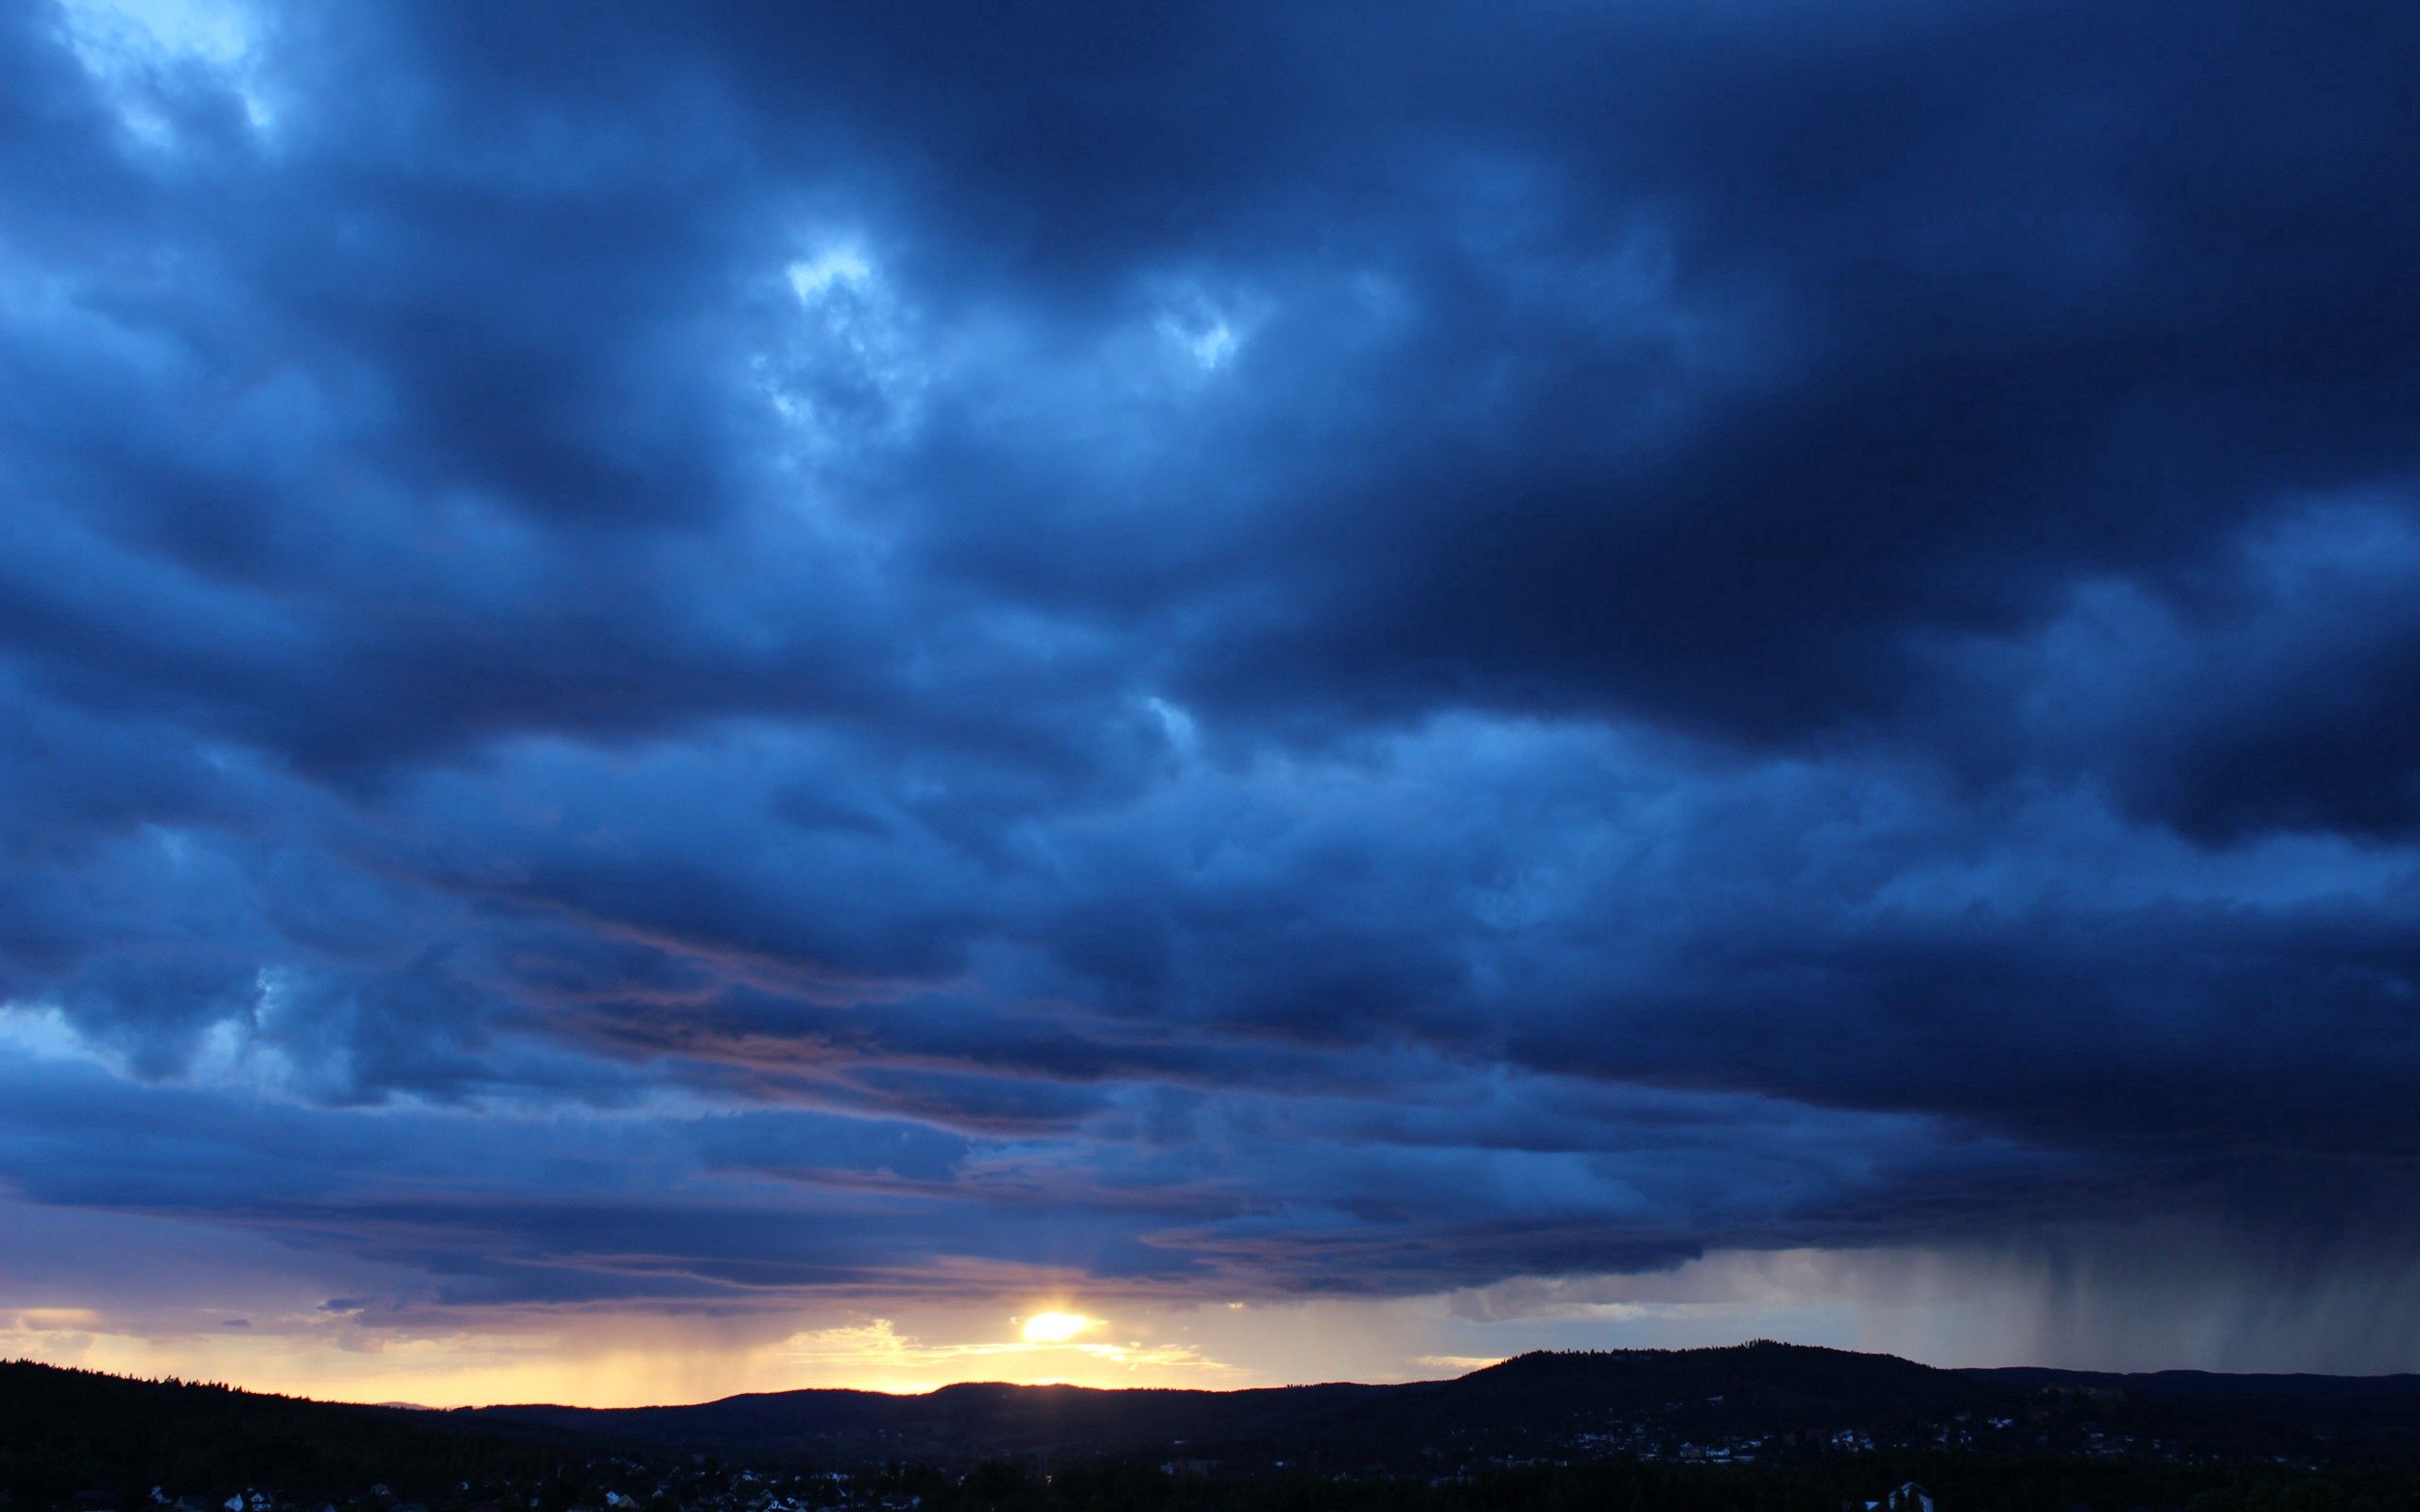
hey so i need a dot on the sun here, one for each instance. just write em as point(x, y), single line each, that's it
point(1055, 1327)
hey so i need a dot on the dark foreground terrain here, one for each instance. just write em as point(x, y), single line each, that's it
point(1762, 1426)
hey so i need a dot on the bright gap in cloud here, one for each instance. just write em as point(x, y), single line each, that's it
point(126, 45)
point(1056, 1328)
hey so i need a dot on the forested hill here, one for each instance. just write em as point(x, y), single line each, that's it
point(1765, 1399)
point(68, 1433)
point(1769, 1405)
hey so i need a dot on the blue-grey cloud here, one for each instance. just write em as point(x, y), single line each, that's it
point(678, 655)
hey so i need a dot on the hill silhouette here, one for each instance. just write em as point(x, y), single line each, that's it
point(65, 1431)
point(1539, 1403)
point(68, 1433)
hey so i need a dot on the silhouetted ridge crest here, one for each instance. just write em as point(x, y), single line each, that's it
point(1777, 1397)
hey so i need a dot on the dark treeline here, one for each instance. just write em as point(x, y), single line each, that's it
point(65, 1434)
point(90, 1442)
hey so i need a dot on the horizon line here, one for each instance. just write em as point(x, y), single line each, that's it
point(397, 1405)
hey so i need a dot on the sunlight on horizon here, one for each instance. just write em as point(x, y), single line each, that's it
point(1057, 1327)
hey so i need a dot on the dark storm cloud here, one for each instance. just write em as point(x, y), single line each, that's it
point(1206, 646)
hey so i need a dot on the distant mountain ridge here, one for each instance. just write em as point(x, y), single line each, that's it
point(1775, 1403)
point(1655, 1402)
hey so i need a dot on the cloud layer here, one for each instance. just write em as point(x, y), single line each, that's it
point(717, 660)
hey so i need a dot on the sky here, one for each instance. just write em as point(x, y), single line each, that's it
point(711, 697)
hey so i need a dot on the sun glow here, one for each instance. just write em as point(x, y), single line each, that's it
point(1055, 1327)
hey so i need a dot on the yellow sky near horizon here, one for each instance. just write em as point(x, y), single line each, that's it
point(288, 1338)
point(615, 1362)
point(283, 1337)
